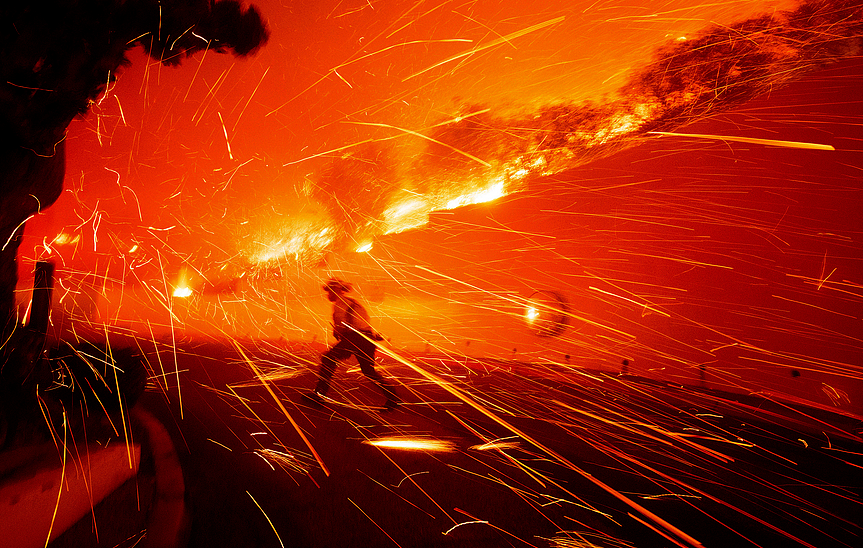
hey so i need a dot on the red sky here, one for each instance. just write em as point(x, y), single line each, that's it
point(218, 145)
point(204, 165)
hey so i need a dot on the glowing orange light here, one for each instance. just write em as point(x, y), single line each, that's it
point(531, 314)
point(488, 194)
point(182, 292)
point(364, 247)
point(66, 239)
point(413, 444)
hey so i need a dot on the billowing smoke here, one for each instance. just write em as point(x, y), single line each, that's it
point(486, 151)
point(688, 80)
point(356, 189)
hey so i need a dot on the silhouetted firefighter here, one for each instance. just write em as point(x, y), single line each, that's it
point(354, 336)
point(56, 58)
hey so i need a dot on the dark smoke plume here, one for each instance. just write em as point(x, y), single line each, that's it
point(722, 67)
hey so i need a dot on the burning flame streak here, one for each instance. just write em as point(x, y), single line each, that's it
point(667, 93)
point(413, 444)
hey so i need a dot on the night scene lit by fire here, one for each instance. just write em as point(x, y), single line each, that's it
point(420, 274)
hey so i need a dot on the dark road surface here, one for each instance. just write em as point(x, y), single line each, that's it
point(579, 459)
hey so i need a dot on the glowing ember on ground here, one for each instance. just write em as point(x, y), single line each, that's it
point(413, 444)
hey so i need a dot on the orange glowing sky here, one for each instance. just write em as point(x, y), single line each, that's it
point(205, 159)
point(359, 119)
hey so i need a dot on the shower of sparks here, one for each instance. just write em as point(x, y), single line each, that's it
point(599, 334)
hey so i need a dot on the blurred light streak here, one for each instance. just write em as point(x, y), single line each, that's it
point(812, 305)
point(663, 534)
point(417, 134)
point(397, 494)
point(493, 526)
point(266, 385)
point(717, 500)
point(220, 444)
point(715, 454)
point(640, 305)
point(346, 63)
point(249, 100)
point(268, 519)
point(198, 69)
point(227, 141)
point(456, 526)
point(413, 444)
point(287, 461)
point(376, 524)
point(210, 97)
point(498, 444)
point(548, 451)
point(62, 478)
point(748, 140)
point(494, 43)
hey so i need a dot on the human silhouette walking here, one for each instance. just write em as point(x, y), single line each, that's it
point(354, 336)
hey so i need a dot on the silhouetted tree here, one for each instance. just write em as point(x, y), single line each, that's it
point(56, 58)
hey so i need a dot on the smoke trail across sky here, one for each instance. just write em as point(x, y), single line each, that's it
point(488, 150)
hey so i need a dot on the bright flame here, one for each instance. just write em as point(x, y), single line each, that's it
point(492, 192)
point(531, 314)
point(182, 291)
point(66, 239)
point(401, 216)
point(364, 247)
point(413, 444)
point(293, 239)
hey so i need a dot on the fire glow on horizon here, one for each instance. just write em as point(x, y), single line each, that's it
point(680, 270)
point(485, 153)
point(281, 209)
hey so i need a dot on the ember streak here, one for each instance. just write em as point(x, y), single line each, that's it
point(551, 212)
point(217, 235)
